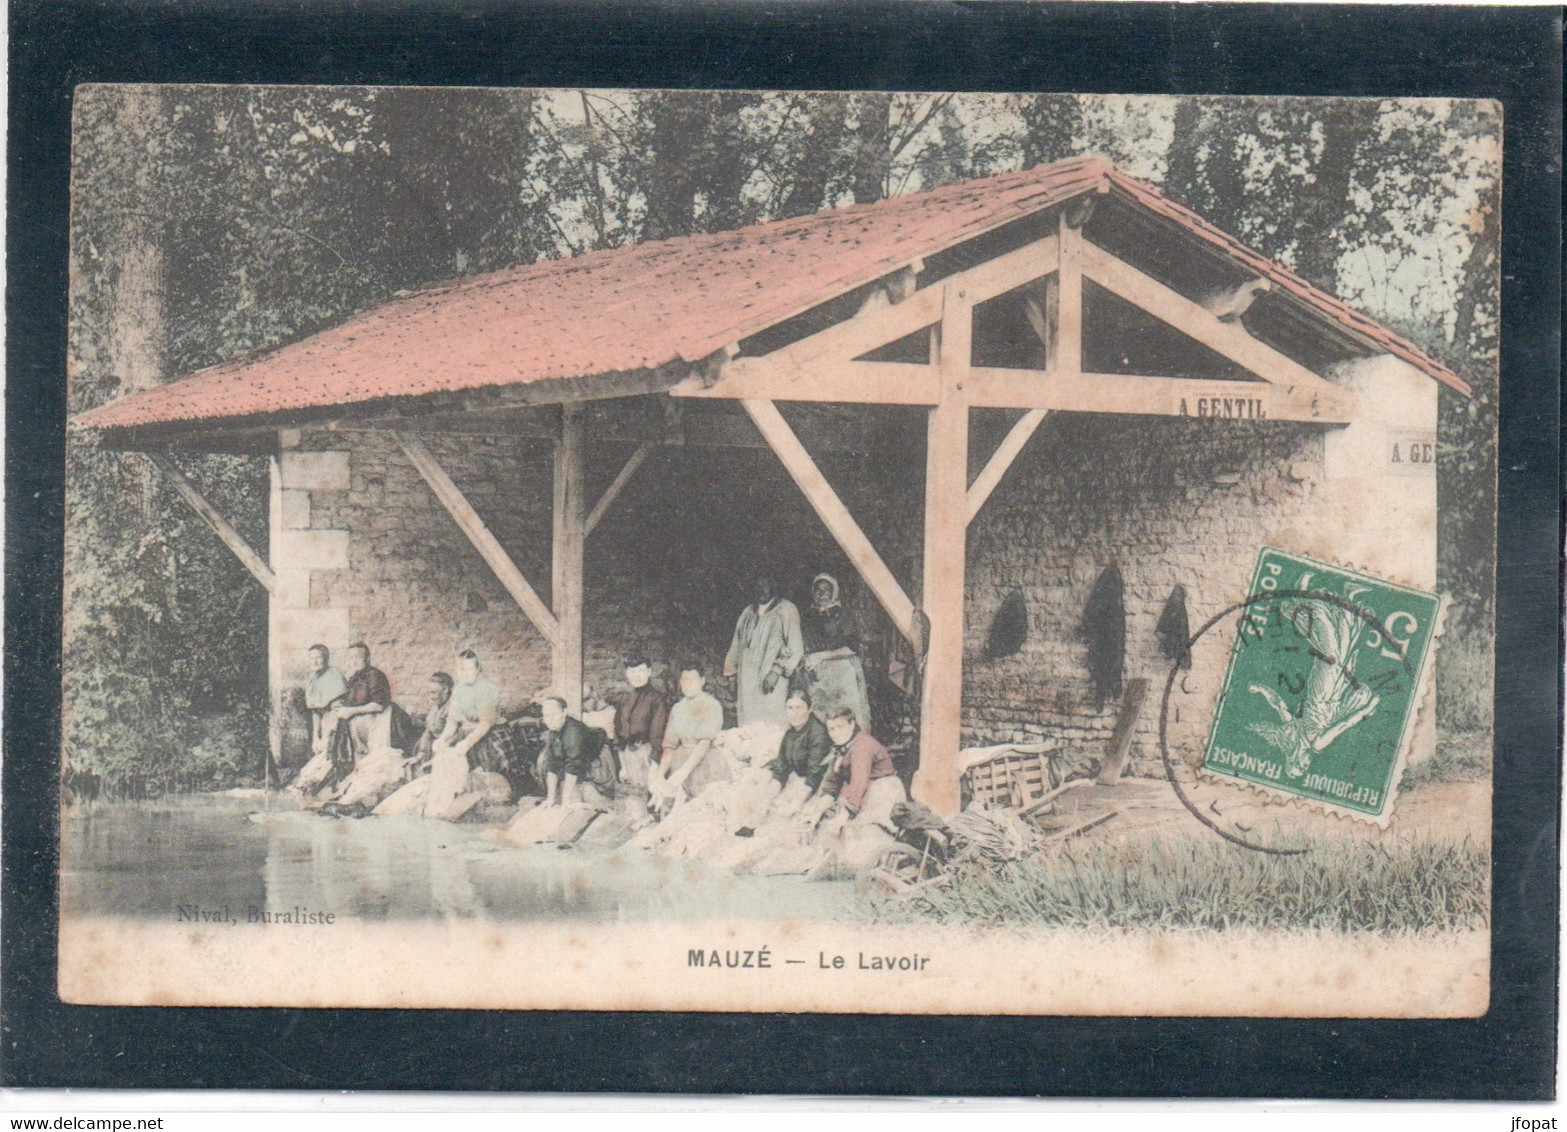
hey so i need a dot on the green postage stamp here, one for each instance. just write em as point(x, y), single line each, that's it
point(1324, 687)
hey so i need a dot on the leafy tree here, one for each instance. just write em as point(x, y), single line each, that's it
point(208, 223)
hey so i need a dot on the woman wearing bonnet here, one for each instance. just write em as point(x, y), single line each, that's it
point(833, 675)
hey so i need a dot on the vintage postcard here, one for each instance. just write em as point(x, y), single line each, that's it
point(779, 551)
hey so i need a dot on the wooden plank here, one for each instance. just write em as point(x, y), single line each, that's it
point(849, 382)
point(1001, 459)
point(1038, 805)
point(1125, 724)
point(483, 540)
point(880, 326)
point(1008, 271)
point(1084, 826)
point(876, 326)
point(567, 559)
point(997, 388)
point(1066, 356)
point(1230, 339)
point(937, 782)
point(797, 372)
point(616, 486)
point(834, 515)
point(220, 526)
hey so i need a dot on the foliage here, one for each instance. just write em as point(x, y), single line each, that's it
point(1207, 884)
point(209, 222)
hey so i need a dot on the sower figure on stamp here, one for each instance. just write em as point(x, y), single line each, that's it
point(688, 763)
point(766, 649)
point(640, 720)
point(471, 715)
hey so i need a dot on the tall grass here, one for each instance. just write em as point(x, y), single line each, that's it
point(1459, 756)
point(1354, 886)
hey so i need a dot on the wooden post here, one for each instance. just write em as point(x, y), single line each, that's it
point(566, 570)
point(946, 526)
point(1067, 357)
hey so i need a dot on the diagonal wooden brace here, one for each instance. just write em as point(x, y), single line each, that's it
point(483, 540)
point(616, 486)
point(996, 467)
point(220, 526)
point(835, 516)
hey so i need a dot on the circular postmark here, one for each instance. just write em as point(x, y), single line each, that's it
point(1340, 664)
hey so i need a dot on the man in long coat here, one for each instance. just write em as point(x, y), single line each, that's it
point(766, 649)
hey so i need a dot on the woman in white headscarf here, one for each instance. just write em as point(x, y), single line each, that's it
point(833, 673)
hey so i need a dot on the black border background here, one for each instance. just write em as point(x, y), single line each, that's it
point(1513, 54)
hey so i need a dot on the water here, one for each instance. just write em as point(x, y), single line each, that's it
point(144, 859)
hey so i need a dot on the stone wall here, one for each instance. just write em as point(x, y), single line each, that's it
point(1169, 501)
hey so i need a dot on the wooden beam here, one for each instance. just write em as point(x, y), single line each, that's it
point(1066, 355)
point(483, 540)
point(996, 388)
point(566, 563)
point(834, 515)
point(843, 381)
point(1007, 451)
point(1231, 339)
point(880, 326)
point(794, 372)
point(875, 328)
point(220, 526)
point(936, 783)
point(616, 486)
point(1121, 737)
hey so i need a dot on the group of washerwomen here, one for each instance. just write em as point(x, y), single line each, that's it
point(802, 673)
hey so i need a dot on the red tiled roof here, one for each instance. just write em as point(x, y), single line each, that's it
point(655, 303)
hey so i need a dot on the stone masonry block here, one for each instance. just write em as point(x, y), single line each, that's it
point(310, 550)
point(293, 589)
point(296, 510)
point(315, 471)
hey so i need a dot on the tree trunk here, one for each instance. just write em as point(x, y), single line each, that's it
point(677, 124)
point(872, 156)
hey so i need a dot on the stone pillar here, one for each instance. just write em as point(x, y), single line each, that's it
point(297, 551)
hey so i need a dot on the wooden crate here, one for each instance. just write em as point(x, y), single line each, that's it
point(1010, 776)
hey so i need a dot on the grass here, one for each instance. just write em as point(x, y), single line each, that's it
point(1353, 886)
point(1459, 756)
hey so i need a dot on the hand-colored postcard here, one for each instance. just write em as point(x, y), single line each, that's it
point(780, 551)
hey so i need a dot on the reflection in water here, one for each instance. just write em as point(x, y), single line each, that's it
point(145, 859)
